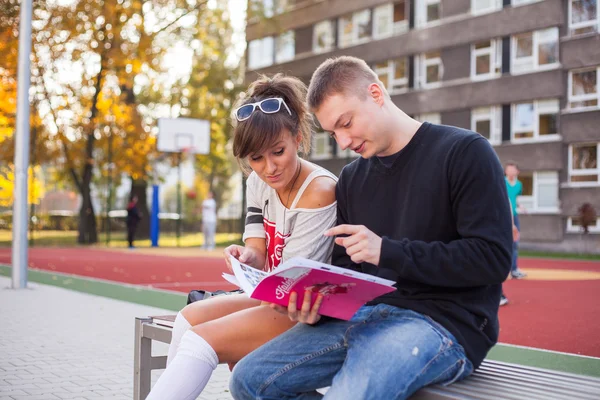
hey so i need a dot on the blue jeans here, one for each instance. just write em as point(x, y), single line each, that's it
point(515, 253)
point(383, 352)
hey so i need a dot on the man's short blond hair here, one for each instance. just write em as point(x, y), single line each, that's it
point(341, 75)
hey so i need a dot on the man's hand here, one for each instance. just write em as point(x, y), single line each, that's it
point(306, 315)
point(362, 245)
point(246, 255)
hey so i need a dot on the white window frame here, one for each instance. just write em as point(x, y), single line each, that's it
point(348, 153)
point(540, 107)
point(395, 86)
point(265, 47)
point(286, 38)
point(433, 118)
point(421, 13)
point(531, 63)
point(495, 53)
point(328, 28)
point(580, 172)
point(326, 138)
point(516, 3)
point(386, 11)
point(583, 97)
point(586, 24)
point(422, 64)
point(530, 203)
point(495, 6)
point(494, 115)
point(353, 38)
point(594, 229)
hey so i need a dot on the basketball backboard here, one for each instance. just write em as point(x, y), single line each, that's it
point(178, 134)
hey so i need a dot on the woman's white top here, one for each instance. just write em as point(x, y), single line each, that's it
point(289, 232)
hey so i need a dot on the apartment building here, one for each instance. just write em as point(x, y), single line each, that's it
point(523, 73)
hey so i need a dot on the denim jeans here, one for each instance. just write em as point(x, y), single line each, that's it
point(383, 352)
point(515, 253)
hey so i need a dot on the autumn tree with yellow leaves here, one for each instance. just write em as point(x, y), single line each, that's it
point(97, 69)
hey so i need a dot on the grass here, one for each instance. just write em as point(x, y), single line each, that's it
point(573, 256)
point(69, 238)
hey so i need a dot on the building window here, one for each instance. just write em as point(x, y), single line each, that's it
point(285, 48)
point(321, 146)
point(390, 19)
point(584, 91)
point(267, 8)
point(348, 153)
point(535, 121)
point(486, 59)
point(323, 37)
point(487, 121)
point(485, 6)
point(584, 16)
point(522, 2)
point(583, 164)
point(533, 51)
point(393, 74)
point(574, 226)
point(260, 53)
point(434, 118)
point(540, 192)
point(428, 12)
point(430, 69)
point(354, 28)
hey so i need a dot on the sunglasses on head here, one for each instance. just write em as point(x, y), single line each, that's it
point(267, 106)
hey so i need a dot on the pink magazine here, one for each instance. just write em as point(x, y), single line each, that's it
point(344, 290)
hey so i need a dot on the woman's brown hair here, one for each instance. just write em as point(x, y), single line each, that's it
point(260, 131)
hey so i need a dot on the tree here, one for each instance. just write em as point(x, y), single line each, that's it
point(112, 50)
point(7, 184)
point(210, 92)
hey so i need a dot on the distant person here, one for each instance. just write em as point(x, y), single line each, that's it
point(514, 187)
point(133, 218)
point(209, 221)
point(516, 235)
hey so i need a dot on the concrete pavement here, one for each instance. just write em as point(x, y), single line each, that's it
point(62, 344)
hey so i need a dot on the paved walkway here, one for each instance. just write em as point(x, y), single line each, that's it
point(62, 344)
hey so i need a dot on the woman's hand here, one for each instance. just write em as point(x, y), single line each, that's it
point(246, 255)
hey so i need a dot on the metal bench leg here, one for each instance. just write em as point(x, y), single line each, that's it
point(142, 364)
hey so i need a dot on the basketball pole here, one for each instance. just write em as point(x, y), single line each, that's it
point(178, 234)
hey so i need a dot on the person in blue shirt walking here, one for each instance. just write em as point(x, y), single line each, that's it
point(514, 187)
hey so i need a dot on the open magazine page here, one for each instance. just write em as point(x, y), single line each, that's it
point(303, 262)
point(246, 276)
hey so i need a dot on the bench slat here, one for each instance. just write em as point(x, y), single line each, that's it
point(530, 388)
point(498, 365)
point(526, 379)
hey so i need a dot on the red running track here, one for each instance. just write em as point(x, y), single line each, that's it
point(555, 315)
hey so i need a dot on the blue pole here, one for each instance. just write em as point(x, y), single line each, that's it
point(154, 225)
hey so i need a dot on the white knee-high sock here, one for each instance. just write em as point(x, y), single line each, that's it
point(188, 373)
point(180, 327)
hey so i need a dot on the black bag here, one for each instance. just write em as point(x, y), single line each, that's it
point(197, 295)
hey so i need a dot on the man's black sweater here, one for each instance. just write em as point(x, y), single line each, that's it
point(442, 211)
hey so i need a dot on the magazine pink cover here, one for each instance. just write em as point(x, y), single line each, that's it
point(344, 290)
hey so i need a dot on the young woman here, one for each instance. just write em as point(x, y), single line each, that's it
point(291, 202)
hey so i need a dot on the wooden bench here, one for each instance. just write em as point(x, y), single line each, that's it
point(492, 380)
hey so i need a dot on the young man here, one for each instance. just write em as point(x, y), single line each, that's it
point(514, 187)
point(425, 205)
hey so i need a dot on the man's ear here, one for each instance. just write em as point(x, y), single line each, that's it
point(377, 93)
